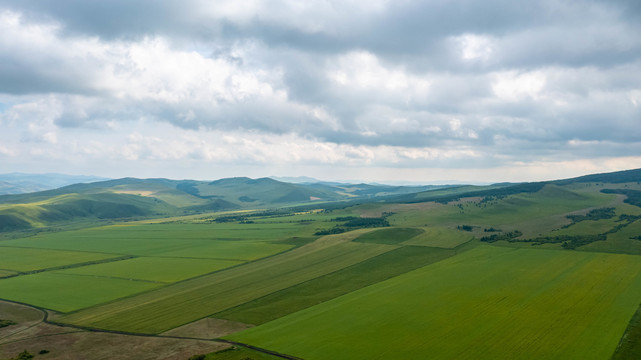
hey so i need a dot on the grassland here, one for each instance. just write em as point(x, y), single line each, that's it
point(487, 303)
point(551, 200)
point(624, 241)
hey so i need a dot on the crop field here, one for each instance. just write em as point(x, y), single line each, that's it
point(62, 292)
point(29, 259)
point(560, 279)
point(155, 269)
point(391, 236)
point(487, 303)
point(5, 273)
point(181, 240)
point(180, 303)
point(326, 287)
point(440, 237)
point(83, 268)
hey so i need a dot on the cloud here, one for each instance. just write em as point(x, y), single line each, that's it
point(407, 83)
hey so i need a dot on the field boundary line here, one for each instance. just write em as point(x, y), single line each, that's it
point(71, 266)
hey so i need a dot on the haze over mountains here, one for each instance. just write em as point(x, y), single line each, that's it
point(18, 183)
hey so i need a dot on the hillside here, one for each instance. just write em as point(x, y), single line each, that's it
point(130, 198)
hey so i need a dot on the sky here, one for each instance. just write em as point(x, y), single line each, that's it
point(382, 91)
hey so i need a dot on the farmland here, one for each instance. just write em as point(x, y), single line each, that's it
point(191, 300)
point(531, 271)
point(486, 303)
point(64, 293)
point(70, 270)
point(30, 259)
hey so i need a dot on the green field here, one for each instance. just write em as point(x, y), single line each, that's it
point(440, 237)
point(163, 253)
point(29, 259)
point(215, 241)
point(327, 287)
point(178, 304)
point(153, 268)
point(487, 303)
point(391, 236)
point(240, 353)
point(5, 273)
point(431, 285)
point(65, 293)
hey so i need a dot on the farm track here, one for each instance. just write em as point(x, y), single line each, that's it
point(45, 319)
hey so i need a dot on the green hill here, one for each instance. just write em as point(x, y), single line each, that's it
point(129, 198)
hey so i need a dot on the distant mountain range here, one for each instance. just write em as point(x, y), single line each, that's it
point(136, 198)
point(132, 198)
point(19, 183)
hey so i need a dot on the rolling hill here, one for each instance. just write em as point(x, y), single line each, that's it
point(132, 198)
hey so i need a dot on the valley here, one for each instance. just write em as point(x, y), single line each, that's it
point(533, 270)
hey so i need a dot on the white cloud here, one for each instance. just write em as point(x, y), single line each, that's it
point(361, 71)
point(475, 47)
point(513, 85)
point(337, 85)
point(7, 151)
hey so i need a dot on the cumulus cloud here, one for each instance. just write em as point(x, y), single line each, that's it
point(389, 84)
